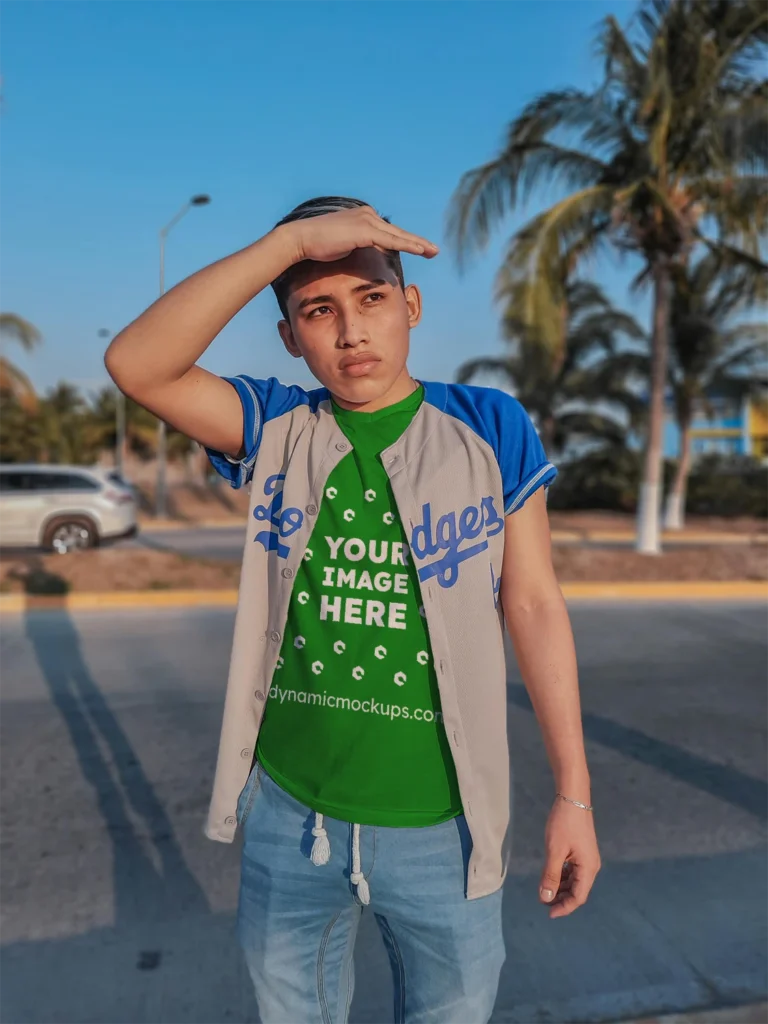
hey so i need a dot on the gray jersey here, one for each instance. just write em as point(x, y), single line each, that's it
point(469, 458)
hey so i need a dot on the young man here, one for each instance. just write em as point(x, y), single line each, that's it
point(394, 525)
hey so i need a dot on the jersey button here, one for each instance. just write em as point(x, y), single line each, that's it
point(288, 574)
point(230, 820)
point(274, 636)
point(311, 510)
point(245, 753)
point(342, 446)
point(260, 695)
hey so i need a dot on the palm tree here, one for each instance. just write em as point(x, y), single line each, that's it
point(582, 391)
point(12, 380)
point(673, 141)
point(63, 414)
point(710, 349)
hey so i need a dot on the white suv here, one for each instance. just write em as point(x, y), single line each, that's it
point(64, 508)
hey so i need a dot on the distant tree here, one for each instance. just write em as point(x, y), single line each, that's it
point(12, 381)
point(583, 389)
point(669, 151)
point(711, 349)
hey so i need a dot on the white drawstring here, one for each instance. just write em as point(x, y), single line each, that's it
point(321, 854)
point(357, 877)
point(321, 848)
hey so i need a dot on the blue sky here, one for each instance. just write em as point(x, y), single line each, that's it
point(114, 113)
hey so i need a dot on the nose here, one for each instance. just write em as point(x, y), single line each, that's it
point(352, 331)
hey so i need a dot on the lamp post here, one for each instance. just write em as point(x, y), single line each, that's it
point(162, 433)
point(119, 419)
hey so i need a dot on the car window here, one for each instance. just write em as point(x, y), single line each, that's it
point(52, 481)
point(13, 482)
point(48, 480)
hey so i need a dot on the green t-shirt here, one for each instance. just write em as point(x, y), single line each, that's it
point(353, 726)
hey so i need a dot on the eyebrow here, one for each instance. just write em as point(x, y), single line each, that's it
point(367, 287)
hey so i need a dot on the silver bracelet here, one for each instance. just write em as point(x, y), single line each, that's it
point(576, 803)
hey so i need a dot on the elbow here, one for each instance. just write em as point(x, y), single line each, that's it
point(119, 369)
point(525, 606)
point(114, 365)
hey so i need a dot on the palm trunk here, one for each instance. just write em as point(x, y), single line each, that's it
point(674, 516)
point(648, 541)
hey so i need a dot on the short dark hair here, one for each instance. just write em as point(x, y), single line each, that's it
point(316, 208)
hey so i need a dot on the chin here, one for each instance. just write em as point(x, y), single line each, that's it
point(364, 389)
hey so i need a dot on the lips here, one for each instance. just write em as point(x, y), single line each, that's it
point(358, 366)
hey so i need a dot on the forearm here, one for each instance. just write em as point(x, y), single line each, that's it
point(543, 642)
point(165, 342)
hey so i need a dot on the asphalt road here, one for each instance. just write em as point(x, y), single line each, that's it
point(225, 543)
point(116, 908)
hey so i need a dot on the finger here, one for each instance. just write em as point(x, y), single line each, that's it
point(565, 906)
point(581, 884)
point(575, 895)
point(403, 241)
point(551, 877)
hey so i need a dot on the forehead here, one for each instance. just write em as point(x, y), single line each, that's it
point(360, 267)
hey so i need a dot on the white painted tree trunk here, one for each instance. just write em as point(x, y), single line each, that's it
point(674, 516)
point(648, 509)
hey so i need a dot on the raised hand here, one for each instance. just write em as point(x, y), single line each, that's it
point(333, 236)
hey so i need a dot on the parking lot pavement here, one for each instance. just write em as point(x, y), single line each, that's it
point(116, 908)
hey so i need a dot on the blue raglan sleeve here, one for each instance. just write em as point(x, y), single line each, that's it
point(522, 460)
point(262, 401)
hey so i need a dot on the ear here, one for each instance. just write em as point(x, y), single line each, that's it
point(284, 329)
point(413, 302)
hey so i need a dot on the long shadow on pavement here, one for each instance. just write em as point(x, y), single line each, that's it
point(147, 899)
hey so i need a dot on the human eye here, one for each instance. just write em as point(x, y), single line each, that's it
point(374, 296)
point(318, 311)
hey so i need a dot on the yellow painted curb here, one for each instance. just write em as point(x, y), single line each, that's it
point(682, 590)
point(743, 590)
point(111, 600)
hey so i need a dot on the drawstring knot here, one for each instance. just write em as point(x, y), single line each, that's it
point(321, 854)
point(321, 848)
point(357, 877)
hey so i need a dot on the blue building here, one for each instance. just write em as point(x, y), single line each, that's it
point(732, 421)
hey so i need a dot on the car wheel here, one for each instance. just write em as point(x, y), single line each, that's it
point(73, 533)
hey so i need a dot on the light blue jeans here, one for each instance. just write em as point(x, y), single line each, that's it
point(297, 923)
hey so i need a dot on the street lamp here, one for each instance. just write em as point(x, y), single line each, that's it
point(162, 434)
point(119, 419)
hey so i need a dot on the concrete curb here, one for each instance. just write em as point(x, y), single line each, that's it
point(152, 526)
point(674, 539)
point(668, 590)
point(745, 590)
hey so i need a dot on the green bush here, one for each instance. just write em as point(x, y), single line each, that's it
point(720, 486)
point(605, 479)
point(608, 479)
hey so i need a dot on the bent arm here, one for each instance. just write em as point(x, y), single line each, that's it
point(153, 360)
point(537, 619)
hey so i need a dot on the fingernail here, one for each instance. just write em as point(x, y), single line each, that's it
point(547, 894)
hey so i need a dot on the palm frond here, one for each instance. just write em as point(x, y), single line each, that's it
point(20, 330)
point(16, 383)
point(486, 365)
point(486, 193)
point(533, 267)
